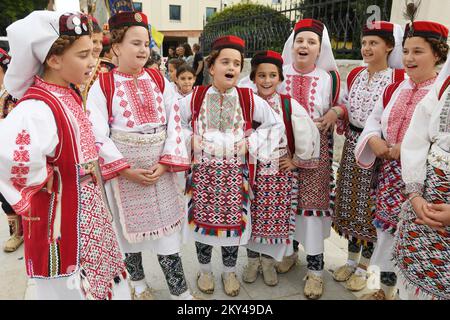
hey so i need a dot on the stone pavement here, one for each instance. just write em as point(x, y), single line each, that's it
point(14, 284)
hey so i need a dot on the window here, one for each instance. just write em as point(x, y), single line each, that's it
point(137, 6)
point(276, 1)
point(210, 12)
point(175, 12)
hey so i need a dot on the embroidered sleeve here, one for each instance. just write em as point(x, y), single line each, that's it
point(28, 136)
point(365, 157)
point(175, 154)
point(265, 140)
point(416, 145)
point(111, 160)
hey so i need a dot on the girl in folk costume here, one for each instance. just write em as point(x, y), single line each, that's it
point(274, 206)
point(383, 135)
point(97, 40)
point(7, 103)
point(218, 188)
point(355, 203)
point(139, 138)
point(49, 163)
point(311, 78)
point(185, 81)
point(421, 247)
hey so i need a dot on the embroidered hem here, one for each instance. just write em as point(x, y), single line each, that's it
point(111, 170)
point(384, 225)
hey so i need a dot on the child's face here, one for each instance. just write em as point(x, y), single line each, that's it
point(134, 50)
point(76, 63)
point(374, 49)
point(97, 40)
point(172, 73)
point(306, 49)
point(226, 68)
point(267, 79)
point(418, 58)
point(185, 82)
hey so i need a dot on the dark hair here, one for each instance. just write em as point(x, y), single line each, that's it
point(389, 40)
point(196, 46)
point(215, 53)
point(4, 67)
point(185, 68)
point(255, 68)
point(439, 47)
point(105, 50)
point(154, 58)
point(176, 62)
point(187, 50)
point(96, 28)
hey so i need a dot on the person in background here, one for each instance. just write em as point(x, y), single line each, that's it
point(198, 64)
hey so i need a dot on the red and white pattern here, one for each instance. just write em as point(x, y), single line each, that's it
point(149, 212)
point(111, 170)
point(403, 110)
point(21, 157)
point(101, 259)
point(72, 104)
point(142, 104)
point(300, 88)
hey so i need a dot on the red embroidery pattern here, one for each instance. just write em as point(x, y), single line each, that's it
point(150, 110)
point(87, 139)
point(20, 171)
point(403, 110)
point(303, 89)
point(111, 170)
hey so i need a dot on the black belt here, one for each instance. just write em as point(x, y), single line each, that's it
point(356, 129)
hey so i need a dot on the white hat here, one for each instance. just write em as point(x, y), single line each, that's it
point(30, 40)
point(395, 60)
point(325, 60)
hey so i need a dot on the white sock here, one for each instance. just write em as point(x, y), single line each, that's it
point(316, 273)
point(352, 263)
point(389, 291)
point(205, 268)
point(228, 269)
point(360, 272)
point(139, 286)
point(184, 296)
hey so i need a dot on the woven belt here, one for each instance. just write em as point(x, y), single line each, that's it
point(139, 138)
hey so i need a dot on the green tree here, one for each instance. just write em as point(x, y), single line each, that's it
point(260, 26)
point(12, 10)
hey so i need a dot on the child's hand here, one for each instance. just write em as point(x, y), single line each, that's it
point(286, 164)
point(394, 152)
point(158, 170)
point(328, 121)
point(140, 176)
point(380, 148)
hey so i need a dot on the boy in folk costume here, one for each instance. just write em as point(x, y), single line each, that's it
point(220, 118)
point(312, 79)
point(355, 203)
point(424, 47)
point(421, 250)
point(49, 163)
point(7, 103)
point(140, 143)
point(274, 206)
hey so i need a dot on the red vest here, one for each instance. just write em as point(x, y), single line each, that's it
point(246, 101)
point(43, 257)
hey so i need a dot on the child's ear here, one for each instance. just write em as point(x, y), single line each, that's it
point(54, 62)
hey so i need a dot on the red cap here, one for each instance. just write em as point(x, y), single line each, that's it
point(378, 28)
point(106, 40)
point(313, 25)
point(426, 29)
point(5, 58)
point(232, 42)
point(94, 21)
point(128, 19)
point(267, 56)
point(74, 24)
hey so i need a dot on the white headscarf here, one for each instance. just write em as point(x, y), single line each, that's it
point(395, 60)
point(445, 72)
point(30, 40)
point(325, 60)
